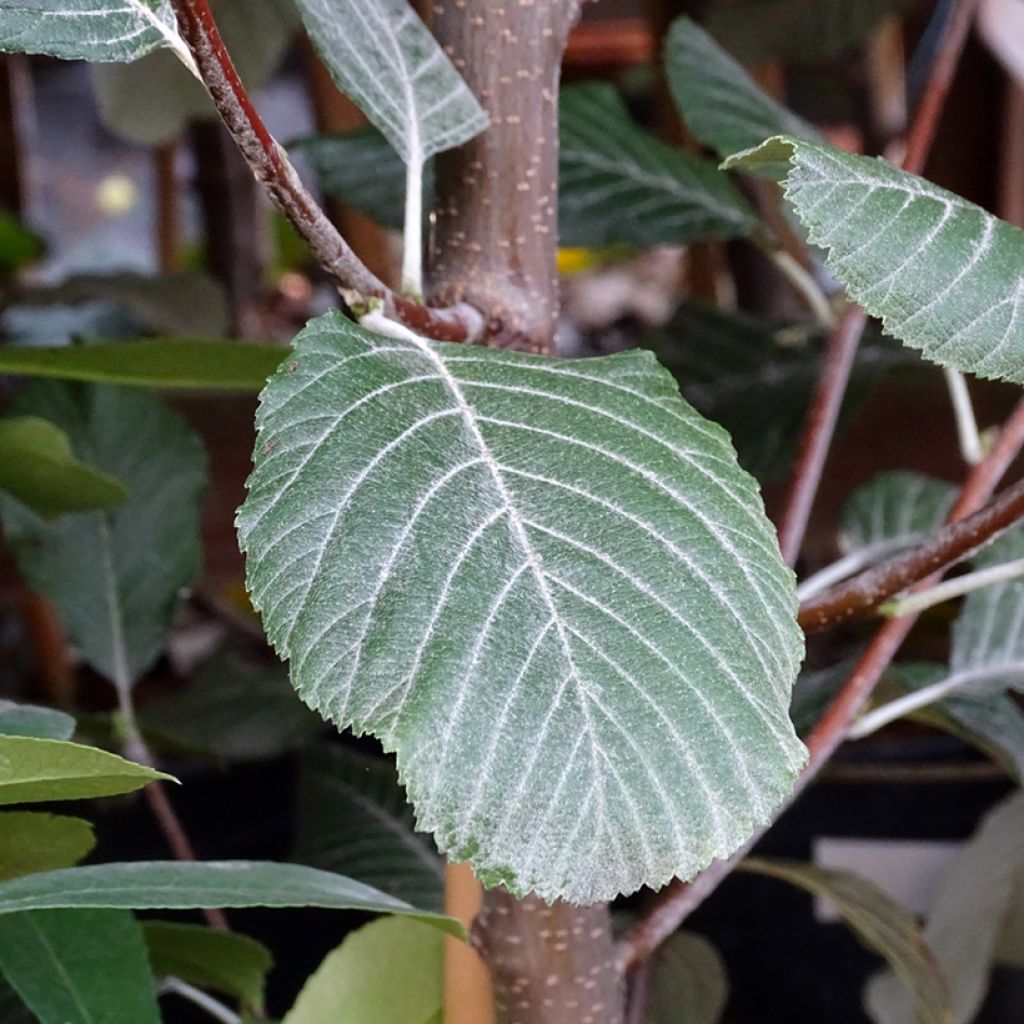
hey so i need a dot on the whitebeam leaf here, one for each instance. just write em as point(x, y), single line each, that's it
point(95, 30)
point(944, 275)
point(546, 584)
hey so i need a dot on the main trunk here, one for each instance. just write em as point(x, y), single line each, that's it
point(494, 245)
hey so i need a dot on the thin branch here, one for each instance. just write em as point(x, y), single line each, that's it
point(967, 431)
point(863, 594)
point(278, 177)
point(216, 1009)
point(802, 281)
point(845, 339)
point(950, 589)
point(895, 709)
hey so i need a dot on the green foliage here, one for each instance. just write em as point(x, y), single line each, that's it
point(881, 924)
point(29, 720)
point(34, 841)
point(33, 770)
point(116, 577)
point(618, 184)
point(38, 467)
point(194, 885)
point(688, 982)
point(388, 972)
point(19, 247)
point(569, 547)
point(354, 819)
point(942, 273)
point(79, 966)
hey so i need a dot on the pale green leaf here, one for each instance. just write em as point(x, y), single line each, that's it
point(354, 819)
point(618, 184)
point(688, 984)
point(79, 966)
point(880, 924)
point(383, 56)
point(209, 958)
point(943, 274)
point(546, 584)
point(721, 104)
point(32, 770)
point(164, 363)
point(38, 467)
point(35, 841)
point(30, 720)
point(116, 577)
point(965, 922)
point(196, 885)
point(388, 972)
point(96, 30)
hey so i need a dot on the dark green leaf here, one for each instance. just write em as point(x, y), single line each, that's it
point(79, 966)
point(38, 467)
point(192, 885)
point(619, 184)
point(18, 246)
point(689, 984)
point(34, 841)
point(116, 577)
point(354, 819)
point(33, 770)
point(12, 1009)
point(29, 720)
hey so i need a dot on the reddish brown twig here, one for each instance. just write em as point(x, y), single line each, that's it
point(845, 339)
point(279, 179)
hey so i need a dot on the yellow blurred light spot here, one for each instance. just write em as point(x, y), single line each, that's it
point(116, 194)
point(576, 261)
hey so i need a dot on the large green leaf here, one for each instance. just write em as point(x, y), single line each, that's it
point(34, 841)
point(619, 184)
point(689, 984)
point(354, 819)
point(964, 925)
point(166, 363)
point(116, 577)
point(881, 924)
point(721, 104)
point(195, 885)
point(38, 467)
point(96, 30)
point(546, 584)
point(942, 273)
point(209, 958)
point(79, 966)
point(32, 770)
point(383, 56)
point(388, 972)
point(31, 720)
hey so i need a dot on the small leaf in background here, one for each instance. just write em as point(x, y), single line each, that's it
point(19, 247)
point(881, 924)
point(231, 711)
point(79, 966)
point(35, 841)
point(354, 819)
point(208, 958)
point(547, 583)
point(150, 101)
point(30, 720)
point(941, 273)
point(197, 885)
point(721, 104)
point(387, 972)
point(38, 467)
point(688, 984)
point(95, 30)
point(32, 770)
point(618, 184)
point(385, 59)
point(116, 577)
point(963, 928)
point(798, 30)
point(165, 363)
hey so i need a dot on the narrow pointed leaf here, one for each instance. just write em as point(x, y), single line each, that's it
point(95, 30)
point(383, 56)
point(879, 923)
point(546, 584)
point(618, 184)
point(34, 841)
point(721, 104)
point(33, 770)
point(943, 274)
point(30, 720)
point(197, 885)
point(79, 966)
